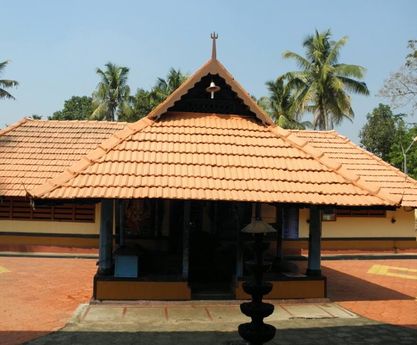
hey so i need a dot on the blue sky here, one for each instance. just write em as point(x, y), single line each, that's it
point(55, 46)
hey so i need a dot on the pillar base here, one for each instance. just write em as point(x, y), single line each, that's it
point(105, 271)
point(313, 273)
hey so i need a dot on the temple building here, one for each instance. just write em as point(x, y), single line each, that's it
point(167, 196)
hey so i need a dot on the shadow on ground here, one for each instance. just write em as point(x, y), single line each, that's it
point(345, 287)
point(292, 332)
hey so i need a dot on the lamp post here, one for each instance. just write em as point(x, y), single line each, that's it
point(405, 154)
point(257, 332)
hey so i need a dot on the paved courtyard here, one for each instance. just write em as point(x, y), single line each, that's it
point(381, 290)
point(39, 296)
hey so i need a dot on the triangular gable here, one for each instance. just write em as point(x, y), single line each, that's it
point(213, 67)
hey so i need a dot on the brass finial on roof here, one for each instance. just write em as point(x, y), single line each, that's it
point(214, 37)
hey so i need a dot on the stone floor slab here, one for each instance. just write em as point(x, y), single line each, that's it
point(337, 311)
point(306, 311)
point(227, 313)
point(144, 314)
point(279, 314)
point(103, 314)
point(187, 314)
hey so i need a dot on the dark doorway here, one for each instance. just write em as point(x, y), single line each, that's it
point(214, 245)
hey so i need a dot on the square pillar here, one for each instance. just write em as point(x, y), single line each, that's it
point(314, 242)
point(105, 260)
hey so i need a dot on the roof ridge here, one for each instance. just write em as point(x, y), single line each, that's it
point(336, 167)
point(330, 131)
point(212, 66)
point(91, 157)
point(14, 125)
point(379, 159)
point(82, 121)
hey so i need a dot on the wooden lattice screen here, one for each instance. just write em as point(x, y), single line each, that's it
point(347, 212)
point(20, 209)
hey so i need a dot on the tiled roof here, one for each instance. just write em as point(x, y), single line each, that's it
point(211, 157)
point(363, 163)
point(33, 151)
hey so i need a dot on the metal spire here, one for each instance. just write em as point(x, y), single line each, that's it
point(214, 37)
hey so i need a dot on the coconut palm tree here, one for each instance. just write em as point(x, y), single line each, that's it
point(6, 83)
point(139, 105)
point(322, 85)
point(164, 87)
point(281, 106)
point(112, 92)
point(144, 101)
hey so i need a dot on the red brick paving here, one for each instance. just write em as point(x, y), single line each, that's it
point(39, 295)
point(382, 298)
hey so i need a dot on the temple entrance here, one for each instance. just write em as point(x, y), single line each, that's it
point(214, 251)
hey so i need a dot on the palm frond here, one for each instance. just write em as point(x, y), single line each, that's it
point(300, 61)
point(5, 94)
point(354, 85)
point(3, 64)
point(100, 112)
point(8, 83)
point(334, 53)
point(346, 70)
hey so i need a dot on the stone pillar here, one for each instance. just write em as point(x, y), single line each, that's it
point(105, 260)
point(186, 239)
point(314, 242)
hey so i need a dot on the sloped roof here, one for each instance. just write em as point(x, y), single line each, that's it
point(363, 163)
point(32, 151)
point(211, 157)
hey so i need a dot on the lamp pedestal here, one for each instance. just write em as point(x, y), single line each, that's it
point(257, 332)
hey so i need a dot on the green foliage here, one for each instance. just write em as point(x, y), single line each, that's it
point(404, 137)
point(322, 84)
point(144, 101)
point(6, 83)
point(164, 87)
point(280, 105)
point(378, 134)
point(112, 97)
point(389, 136)
point(75, 108)
point(139, 105)
point(112, 92)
